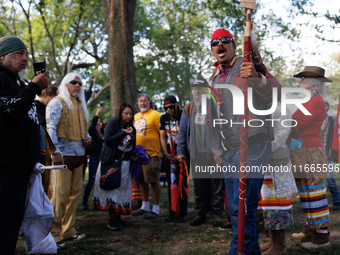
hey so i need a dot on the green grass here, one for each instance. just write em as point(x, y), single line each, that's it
point(153, 237)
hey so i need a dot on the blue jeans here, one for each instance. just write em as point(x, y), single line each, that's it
point(93, 165)
point(332, 186)
point(258, 154)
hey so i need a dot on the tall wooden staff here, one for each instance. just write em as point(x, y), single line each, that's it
point(249, 5)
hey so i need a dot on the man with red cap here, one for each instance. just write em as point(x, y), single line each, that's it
point(231, 69)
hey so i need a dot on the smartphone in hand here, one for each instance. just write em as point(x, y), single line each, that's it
point(39, 67)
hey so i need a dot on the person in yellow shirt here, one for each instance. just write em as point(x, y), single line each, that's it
point(146, 123)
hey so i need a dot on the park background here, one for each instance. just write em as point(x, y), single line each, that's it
point(125, 47)
point(155, 237)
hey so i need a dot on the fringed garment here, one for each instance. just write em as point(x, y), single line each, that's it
point(118, 199)
point(312, 191)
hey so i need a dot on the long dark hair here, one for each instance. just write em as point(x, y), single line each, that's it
point(121, 109)
point(103, 125)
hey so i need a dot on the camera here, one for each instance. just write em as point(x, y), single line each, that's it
point(101, 104)
point(39, 66)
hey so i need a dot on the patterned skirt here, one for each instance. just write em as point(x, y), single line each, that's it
point(118, 199)
point(312, 191)
point(277, 212)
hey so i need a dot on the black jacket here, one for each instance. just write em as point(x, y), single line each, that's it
point(19, 125)
point(97, 143)
point(113, 135)
point(41, 112)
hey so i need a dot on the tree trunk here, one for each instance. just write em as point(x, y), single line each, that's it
point(119, 15)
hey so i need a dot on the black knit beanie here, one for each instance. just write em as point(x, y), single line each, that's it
point(9, 44)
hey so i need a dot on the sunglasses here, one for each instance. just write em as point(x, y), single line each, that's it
point(73, 82)
point(224, 40)
point(169, 107)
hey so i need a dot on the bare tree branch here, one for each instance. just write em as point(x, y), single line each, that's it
point(54, 60)
point(95, 97)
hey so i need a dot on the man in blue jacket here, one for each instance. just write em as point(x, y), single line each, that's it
point(19, 137)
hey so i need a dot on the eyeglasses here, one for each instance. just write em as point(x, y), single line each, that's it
point(224, 40)
point(169, 107)
point(73, 82)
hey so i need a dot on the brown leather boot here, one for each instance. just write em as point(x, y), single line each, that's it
point(306, 232)
point(321, 240)
point(267, 245)
point(279, 243)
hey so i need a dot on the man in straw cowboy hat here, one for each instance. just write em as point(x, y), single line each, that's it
point(313, 72)
point(312, 187)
